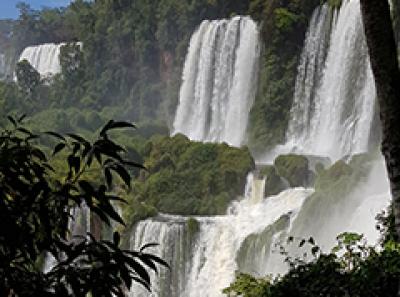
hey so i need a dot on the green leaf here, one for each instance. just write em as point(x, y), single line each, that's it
point(59, 147)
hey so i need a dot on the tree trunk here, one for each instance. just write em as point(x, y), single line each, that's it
point(383, 55)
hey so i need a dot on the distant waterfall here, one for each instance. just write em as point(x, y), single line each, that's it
point(45, 58)
point(2, 65)
point(334, 101)
point(219, 81)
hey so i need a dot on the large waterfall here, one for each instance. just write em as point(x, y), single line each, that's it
point(219, 81)
point(334, 101)
point(205, 262)
point(246, 238)
point(45, 58)
point(332, 115)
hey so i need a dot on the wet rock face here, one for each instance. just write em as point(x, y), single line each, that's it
point(274, 184)
point(295, 169)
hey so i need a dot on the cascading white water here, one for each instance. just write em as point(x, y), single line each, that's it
point(44, 58)
point(331, 116)
point(205, 264)
point(2, 65)
point(175, 247)
point(219, 81)
point(334, 101)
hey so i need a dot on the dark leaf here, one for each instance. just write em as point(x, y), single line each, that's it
point(25, 131)
point(115, 125)
point(156, 259)
point(123, 173)
point(54, 134)
point(78, 138)
point(116, 238)
point(143, 283)
point(21, 118)
point(12, 120)
point(86, 187)
point(152, 244)
point(138, 268)
point(59, 147)
point(108, 176)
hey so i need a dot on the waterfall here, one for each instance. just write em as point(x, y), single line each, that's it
point(334, 100)
point(78, 225)
point(219, 81)
point(2, 65)
point(44, 58)
point(175, 247)
point(204, 263)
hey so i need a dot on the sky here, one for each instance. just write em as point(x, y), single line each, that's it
point(8, 9)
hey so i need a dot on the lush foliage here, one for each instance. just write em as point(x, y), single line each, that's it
point(283, 31)
point(191, 178)
point(35, 207)
point(350, 269)
point(131, 56)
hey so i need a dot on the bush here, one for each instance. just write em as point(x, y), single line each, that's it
point(191, 178)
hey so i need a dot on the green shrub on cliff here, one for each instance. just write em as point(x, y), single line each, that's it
point(191, 178)
point(284, 24)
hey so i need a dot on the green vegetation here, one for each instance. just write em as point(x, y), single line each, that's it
point(132, 53)
point(283, 31)
point(35, 207)
point(335, 3)
point(191, 178)
point(350, 269)
point(193, 226)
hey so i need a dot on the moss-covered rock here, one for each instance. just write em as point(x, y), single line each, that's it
point(332, 186)
point(193, 226)
point(191, 178)
point(335, 3)
point(274, 184)
point(334, 174)
point(294, 168)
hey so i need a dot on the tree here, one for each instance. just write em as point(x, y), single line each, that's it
point(27, 77)
point(35, 210)
point(383, 55)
